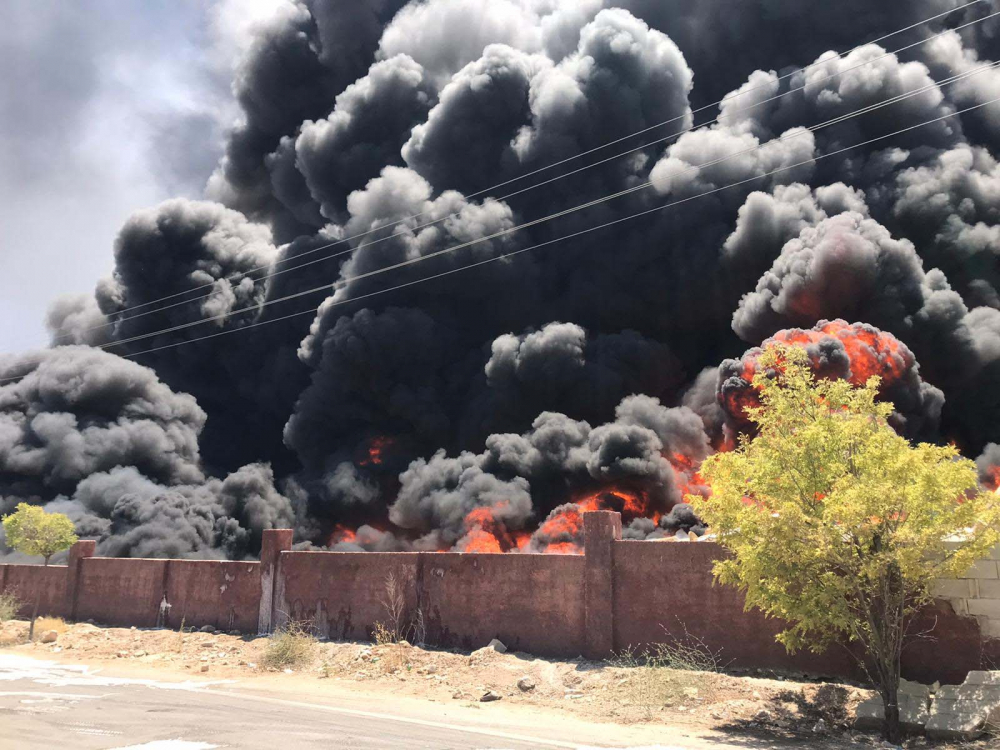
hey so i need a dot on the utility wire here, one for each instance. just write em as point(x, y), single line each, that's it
point(728, 97)
point(337, 303)
point(605, 225)
point(344, 281)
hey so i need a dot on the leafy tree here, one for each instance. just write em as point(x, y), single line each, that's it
point(836, 523)
point(32, 531)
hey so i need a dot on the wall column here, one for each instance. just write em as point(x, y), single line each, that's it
point(600, 529)
point(79, 551)
point(274, 542)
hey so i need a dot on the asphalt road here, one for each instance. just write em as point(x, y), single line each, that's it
point(51, 705)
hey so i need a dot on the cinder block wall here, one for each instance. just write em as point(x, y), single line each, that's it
point(976, 594)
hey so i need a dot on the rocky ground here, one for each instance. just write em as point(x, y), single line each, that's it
point(622, 692)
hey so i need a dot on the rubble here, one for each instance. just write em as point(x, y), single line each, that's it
point(914, 709)
point(962, 712)
point(490, 696)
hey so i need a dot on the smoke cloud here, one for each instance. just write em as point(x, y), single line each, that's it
point(487, 410)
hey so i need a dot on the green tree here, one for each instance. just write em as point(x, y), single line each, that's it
point(32, 531)
point(837, 524)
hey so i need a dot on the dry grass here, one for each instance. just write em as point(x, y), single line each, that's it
point(9, 605)
point(45, 624)
point(290, 647)
point(667, 674)
point(391, 634)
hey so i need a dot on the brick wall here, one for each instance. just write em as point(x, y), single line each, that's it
point(976, 594)
point(620, 594)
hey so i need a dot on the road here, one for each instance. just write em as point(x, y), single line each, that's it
point(50, 705)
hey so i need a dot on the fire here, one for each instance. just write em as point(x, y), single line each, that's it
point(342, 533)
point(686, 476)
point(376, 451)
point(870, 353)
point(992, 479)
point(485, 532)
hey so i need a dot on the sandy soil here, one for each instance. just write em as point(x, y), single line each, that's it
point(592, 691)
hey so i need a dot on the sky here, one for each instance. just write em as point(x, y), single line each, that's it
point(105, 107)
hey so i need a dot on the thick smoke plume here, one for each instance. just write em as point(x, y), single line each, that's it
point(486, 410)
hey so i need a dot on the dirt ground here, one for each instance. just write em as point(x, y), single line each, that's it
point(594, 691)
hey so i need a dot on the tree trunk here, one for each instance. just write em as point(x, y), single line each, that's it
point(34, 612)
point(890, 702)
point(34, 615)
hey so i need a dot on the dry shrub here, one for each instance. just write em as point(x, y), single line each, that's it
point(666, 674)
point(45, 624)
point(9, 605)
point(393, 632)
point(289, 647)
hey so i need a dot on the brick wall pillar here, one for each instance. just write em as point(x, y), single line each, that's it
point(275, 541)
point(79, 551)
point(600, 530)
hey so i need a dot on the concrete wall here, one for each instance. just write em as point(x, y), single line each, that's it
point(618, 595)
point(222, 594)
point(530, 602)
point(28, 581)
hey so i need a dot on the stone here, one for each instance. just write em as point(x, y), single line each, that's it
point(206, 629)
point(204, 667)
point(490, 696)
point(943, 726)
point(497, 646)
point(49, 636)
point(820, 727)
point(525, 684)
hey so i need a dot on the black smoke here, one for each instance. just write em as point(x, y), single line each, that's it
point(496, 400)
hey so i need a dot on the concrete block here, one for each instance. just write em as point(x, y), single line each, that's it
point(913, 713)
point(955, 726)
point(987, 589)
point(969, 705)
point(983, 677)
point(983, 569)
point(950, 588)
point(992, 629)
point(959, 606)
point(987, 607)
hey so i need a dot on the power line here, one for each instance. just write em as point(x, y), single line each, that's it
point(573, 235)
point(728, 97)
point(343, 282)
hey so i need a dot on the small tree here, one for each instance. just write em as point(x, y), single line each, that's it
point(836, 523)
point(32, 531)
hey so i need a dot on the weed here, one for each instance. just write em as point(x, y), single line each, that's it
point(45, 624)
point(180, 636)
point(291, 646)
point(667, 673)
point(393, 631)
point(9, 605)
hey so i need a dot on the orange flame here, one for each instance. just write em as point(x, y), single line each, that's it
point(992, 480)
point(342, 533)
point(871, 353)
point(376, 450)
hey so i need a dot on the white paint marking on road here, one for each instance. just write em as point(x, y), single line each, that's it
point(55, 674)
point(55, 696)
point(170, 745)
